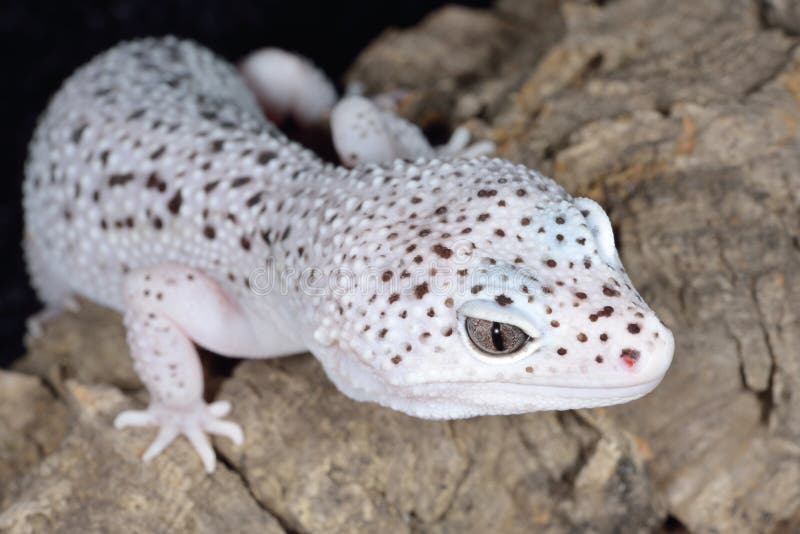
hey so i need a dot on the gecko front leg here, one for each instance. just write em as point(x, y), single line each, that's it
point(369, 131)
point(166, 307)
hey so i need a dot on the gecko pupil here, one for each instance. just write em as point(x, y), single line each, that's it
point(495, 338)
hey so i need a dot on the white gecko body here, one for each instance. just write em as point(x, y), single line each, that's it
point(155, 186)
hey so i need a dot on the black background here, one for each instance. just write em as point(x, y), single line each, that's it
point(43, 42)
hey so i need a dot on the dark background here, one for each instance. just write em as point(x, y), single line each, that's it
point(44, 41)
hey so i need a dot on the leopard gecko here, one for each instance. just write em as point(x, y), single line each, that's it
point(439, 285)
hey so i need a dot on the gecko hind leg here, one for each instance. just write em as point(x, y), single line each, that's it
point(166, 307)
point(288, 85)
point(56, 295)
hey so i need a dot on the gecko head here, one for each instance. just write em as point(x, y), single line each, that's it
point(506, 299)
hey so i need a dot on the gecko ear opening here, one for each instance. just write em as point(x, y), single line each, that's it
point(600, 226)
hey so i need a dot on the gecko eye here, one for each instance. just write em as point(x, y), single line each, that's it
point(494, 338)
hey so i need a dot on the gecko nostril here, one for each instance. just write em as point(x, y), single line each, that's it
point(630, 356)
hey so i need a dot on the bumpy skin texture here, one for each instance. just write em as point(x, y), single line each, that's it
point(155, 186)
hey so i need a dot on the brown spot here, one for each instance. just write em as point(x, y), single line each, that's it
point(217, 145)
point(240, 181)
point(598, 359)
point(582, 337)
point(154, 181)
point(396, 359)
point(441, 210)
point(418, 259)
point(603, 337)
point(587, 264)
point(442, 251)
point(500, 233)
point(610, 291)
point(503, 300)
point(529, 369)
point(525, 221)
point(559, 220)
point(416, 200)
point(245, 243)
point(421, 290)
point(386, 276)
point(119, 179)
point(562, 351)
point(551, 263)
point(383, 332)
point(157, 153)
point(431, 312)
point(448, 302)
point(487, 193)
point(581, 240)
point(581, 295)
point(394, 297)
point(634, 328)
point(209, 232)
point(554, 323)
point(425, 232)
point(174, 204)
point(483, 216)
point(255, 199)
point(265, 157)
point(476, 289)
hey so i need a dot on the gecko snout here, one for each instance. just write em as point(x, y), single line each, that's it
point(651, 356)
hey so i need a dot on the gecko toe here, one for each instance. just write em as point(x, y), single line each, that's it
point(134, 418)
point(228, 429)
point(166, 435)
point(201, 444)
point(219, 408)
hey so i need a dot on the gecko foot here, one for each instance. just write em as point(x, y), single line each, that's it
point(459, 146)
point(195, 422)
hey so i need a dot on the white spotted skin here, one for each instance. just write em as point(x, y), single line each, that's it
point(289, 85)
point(418, 243)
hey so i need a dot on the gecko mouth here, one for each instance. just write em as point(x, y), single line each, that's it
point(469, 399)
